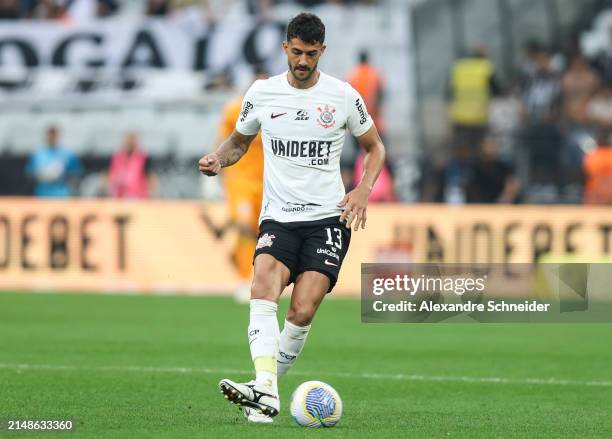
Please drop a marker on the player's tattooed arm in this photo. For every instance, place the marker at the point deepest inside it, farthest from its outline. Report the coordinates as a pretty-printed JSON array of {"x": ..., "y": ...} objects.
[
  {"x": 355, "y": 203},
  {"x": 228, "y": 153},
  {"x": 236, "y": 145}
]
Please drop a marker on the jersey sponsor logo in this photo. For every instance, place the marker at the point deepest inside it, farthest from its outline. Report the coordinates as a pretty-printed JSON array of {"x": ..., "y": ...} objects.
[
  {"x": 326, "y": 116},
  {"x": 299, "y": 207},
  {"x": 363, "y": 117},
  {"x": 274, "y": 116},
  {"x": 315, "y": 150},
  {"x": 330, "y": 263},
  {"x": 302, "y": 115},
  {"x": 326, "y": 252},
  {"x": 245, "y": 110},
  {"x": 265, "y": 240}
]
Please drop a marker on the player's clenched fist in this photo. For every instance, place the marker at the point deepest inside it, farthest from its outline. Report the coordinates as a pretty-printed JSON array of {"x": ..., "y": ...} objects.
[{"x": 210, "y": 164}]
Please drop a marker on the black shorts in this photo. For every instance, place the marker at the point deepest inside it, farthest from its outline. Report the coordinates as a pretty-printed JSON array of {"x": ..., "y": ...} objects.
[{"x": 306, "y": 246}]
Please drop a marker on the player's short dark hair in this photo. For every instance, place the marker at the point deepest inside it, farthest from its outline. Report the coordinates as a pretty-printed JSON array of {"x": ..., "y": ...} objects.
[{"x": 307, "y": 27}]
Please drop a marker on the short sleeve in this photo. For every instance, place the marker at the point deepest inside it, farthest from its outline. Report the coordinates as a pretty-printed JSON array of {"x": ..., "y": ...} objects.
[
  {"x": 359, "y": 120},
  {"x": 248, "y": 123}
]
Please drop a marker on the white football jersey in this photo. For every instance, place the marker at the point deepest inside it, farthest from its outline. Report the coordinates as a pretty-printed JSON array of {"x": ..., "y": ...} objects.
[{"x": 303, "y": 132}]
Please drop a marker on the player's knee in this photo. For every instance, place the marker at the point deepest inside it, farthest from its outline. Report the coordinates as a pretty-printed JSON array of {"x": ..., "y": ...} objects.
[
  {"x": 268, "y": 279},
  {"x": 301, "y": 314},
  {"x": 262, "y": 287},
  {"x": 266, "y": 285}
]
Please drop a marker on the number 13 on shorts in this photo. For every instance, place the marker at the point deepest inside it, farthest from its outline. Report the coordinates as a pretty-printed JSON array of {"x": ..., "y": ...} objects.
[{"x": 334, "y": 237}]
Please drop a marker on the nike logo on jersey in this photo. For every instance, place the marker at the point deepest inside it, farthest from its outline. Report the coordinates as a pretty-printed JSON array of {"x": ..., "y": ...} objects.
[
  {"x": 274, "y": 116},
  {"x": 330, "y": 263}
]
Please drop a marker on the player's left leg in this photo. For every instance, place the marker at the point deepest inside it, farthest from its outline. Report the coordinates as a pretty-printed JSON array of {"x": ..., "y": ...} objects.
[{"x": 308, "y": 293}]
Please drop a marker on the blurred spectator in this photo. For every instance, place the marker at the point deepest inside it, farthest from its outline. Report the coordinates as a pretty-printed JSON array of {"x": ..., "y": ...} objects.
[
  {"x": 598, "y": 172},
  {"x": 532, "y": 51},
  {"x": 310, "y": 3},
  {"x": 51, "y": 10},
  {"x": 54, "y": 167},
  {"x": 85, "y": 10},
  {"x": 106, "y": 8},
  {"x": 541, "y": 142},
  {"x": 490, "y": 179},
  {"x": 578, "y": 84},
  {"x": 599, "y": 109},
  {"x": 367, "y": 81},
  {"x": 603, "y": 61},
  {"x": 445, "y": 182},
  {"x": 542, "y": 91},
  {"x": 214, "y": 10},
  {"x": 67, "y": 10},
  {"x": 9, "y": 10},
  {"x": 159, "y": 7},
  {"x": 472, "y": 83},
  {"x": 129, "y": 174},
  {"x": 220, "y": 80}
]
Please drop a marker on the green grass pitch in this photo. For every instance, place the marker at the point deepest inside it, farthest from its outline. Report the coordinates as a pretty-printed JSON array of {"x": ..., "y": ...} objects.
[{"x": 148, "y": 366}]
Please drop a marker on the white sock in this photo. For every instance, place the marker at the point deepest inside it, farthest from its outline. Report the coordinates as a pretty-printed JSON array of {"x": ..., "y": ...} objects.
[
  {"x": 292, "y": 341},
  {"x": 263, "y": 341}
]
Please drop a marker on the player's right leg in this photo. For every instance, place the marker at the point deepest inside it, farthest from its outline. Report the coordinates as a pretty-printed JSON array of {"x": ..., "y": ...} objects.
[
  {"x": 270, "y": 278},
  {"x": 320, "y": 260}
]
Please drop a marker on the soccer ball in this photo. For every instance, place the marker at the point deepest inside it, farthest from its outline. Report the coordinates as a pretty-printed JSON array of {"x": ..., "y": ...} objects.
[{"x": 316, "y": 404}]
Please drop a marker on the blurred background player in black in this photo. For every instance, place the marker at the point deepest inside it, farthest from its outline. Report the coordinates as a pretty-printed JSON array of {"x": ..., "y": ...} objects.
[{"x": 490, "y": 179}]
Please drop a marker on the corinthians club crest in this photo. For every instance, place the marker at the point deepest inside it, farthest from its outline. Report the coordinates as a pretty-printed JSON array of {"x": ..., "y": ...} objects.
[
  {"x": 326, "y": 116},
  {"x": 265, "y": 240}
]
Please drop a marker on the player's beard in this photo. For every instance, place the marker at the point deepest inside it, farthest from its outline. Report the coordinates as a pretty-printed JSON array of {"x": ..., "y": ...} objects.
[{"x": 308, "y": 76}]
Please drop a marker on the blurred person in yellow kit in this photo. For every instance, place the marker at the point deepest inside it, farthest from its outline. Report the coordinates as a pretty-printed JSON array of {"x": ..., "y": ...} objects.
[
  {"x": 472, "y": 85},
  {"x": 243, "y": 185}
]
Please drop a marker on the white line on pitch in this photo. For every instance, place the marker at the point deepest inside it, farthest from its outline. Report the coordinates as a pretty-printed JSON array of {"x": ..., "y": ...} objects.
[{"x": 373, "y": 376}]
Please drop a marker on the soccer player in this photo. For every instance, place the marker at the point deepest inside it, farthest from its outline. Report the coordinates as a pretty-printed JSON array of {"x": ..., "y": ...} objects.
[
  {"x": 243, "y": 185},
  {"x": 306, "y": 217}
]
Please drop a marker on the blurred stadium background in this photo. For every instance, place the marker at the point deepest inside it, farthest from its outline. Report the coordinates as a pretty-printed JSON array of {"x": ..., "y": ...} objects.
[
  {"x": 503, "y": 104},
  {"x": 496, "y": 115}
]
